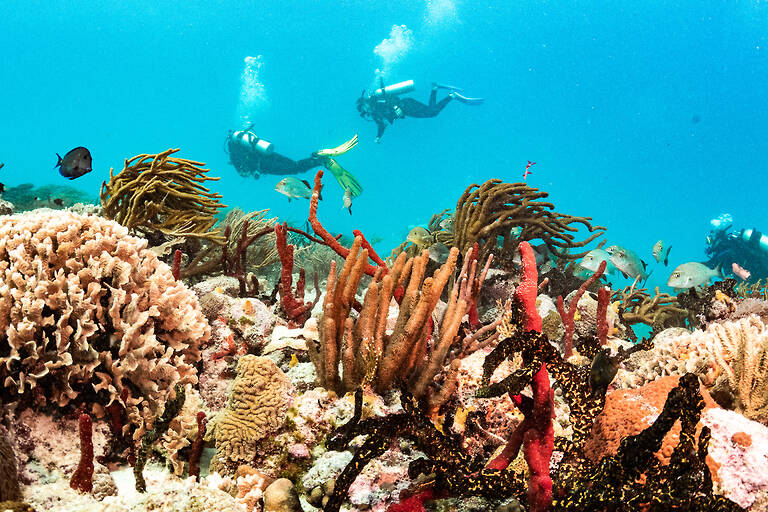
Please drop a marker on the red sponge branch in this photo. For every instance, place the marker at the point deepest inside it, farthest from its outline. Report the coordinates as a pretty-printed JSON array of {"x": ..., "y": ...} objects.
[
  {"x": 535, "y": 434},
  {"x": 603, "y": 298},
  {"x": 196, "y": 450},
  {"x": 329, "y": 239},
  {"x": 295, "y": 309},
  {"x": 82, "y": 478},
  {"x": 567, "y": 316}
]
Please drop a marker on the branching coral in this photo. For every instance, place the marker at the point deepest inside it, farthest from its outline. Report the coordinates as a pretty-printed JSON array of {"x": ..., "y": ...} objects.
[
  {"x": 366, "y": 352},
  {"x": 487, "y": 212},
  {"x": 659, "y": 312},
  {"x": 160, "y": 427},
  {"x": 293, "y": 305},
  {"x": 256, "y": 407},
  {"x": 87, "y": 311},
  {"x": 165, "y": 194}
]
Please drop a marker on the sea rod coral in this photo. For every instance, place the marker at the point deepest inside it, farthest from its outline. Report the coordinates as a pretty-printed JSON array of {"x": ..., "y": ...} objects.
[{"x": 87, "y": 311}]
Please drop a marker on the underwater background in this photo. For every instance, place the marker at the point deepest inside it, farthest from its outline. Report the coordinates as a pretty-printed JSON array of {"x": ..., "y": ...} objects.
[{"x": 649, "y": 117}]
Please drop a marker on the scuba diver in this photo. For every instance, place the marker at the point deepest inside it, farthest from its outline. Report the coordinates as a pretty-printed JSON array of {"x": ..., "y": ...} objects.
[
  {"x": 253, "y": 156},
  {"x": 384, "y": 105},
  {"x": 747, "y": 249}
]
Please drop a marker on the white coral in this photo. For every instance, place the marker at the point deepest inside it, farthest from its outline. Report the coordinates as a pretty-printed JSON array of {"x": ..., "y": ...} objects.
[{"x": 83, "y": 304}]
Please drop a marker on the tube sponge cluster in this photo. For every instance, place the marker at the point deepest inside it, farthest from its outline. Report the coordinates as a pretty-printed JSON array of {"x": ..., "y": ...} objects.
[{"x": 87, "y": 310}]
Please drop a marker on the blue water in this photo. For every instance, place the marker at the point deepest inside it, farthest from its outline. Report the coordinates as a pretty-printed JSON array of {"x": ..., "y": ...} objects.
[{"x": 651, "y": 117}]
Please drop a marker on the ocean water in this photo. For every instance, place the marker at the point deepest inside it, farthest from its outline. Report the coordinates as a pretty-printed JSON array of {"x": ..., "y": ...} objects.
[{"x": 650, "y": 117}]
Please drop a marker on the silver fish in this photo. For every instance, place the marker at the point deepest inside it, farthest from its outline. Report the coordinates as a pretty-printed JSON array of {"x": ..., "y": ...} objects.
[
  {"x": 348, "y": 200},
  {"x": 591, "y": 261},
  {"x": 75, "y": 163},
  {"x": 661, "y": 252},
  {"x": 692, "y": 274},
  {"x": 629, "y": 263},
  {"x": 294, "y": 188}
]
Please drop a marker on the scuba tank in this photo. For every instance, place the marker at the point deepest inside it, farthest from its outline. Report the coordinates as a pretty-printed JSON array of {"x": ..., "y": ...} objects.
[
  {"x": 248, "y": 140},
  {"x": 755, "y": 238},
  {"x": 394, "y": 89}
]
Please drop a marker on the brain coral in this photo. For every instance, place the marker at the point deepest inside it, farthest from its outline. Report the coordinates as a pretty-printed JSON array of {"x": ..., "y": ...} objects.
[
  {"x": 86, "y": 310},
  {"x": 257, "y": 404}
]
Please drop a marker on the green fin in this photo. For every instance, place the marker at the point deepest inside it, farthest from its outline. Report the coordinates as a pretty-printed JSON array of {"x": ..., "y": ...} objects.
[{"x": 345, "y": 178}]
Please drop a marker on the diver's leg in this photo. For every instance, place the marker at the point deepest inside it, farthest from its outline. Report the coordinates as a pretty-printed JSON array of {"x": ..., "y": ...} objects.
[
  {"x": 433, "y": 97},
  {"x": 306, "y": 164},
  {"x": 276, "y": 163},
  {"x": 413, "y": 108}
]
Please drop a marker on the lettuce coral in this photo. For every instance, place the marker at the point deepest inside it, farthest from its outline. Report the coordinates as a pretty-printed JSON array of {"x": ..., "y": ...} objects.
[{"x": 87, "y": 310}]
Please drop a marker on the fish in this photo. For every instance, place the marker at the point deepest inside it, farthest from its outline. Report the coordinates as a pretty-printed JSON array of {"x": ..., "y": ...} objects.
[
  {"x": 602, "y": 371},
  {"x": 541, "y": 253},
  {"x": 447, "y": 224},
  {"x": 692, "y": 274},
  {"x": 613, "y": 249},
  {"x": 2, "y": 188},
  {"x": 348, "y": 200},
  {"x": 75, "y": 163},
  {"x": 420, "y": 237},
  {"x": 661, "y": 252},
  {"x": 439, "y": 252},
  {"x": 294, "y": 188},
  {"x": 58, "y": 202},
  {"x": 591, "y": 261},
  {"x": 740, "y": 271},
  {"x": 629, "y": 263},
  {"x": 582, "y": 273}
]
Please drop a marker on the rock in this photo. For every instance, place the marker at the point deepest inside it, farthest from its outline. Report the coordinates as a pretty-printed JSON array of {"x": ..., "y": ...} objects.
[
  {"x": 280, "y": 496},
  {"x": 499, "y": 285}
]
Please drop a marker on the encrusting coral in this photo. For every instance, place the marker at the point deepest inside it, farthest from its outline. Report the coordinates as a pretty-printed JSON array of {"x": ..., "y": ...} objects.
[
  {"x": 165, "y": 194},
  {"x": 257, "y": 405},
  {"x": 86, "y": 311},
  {"x": 491, "y": 210}
]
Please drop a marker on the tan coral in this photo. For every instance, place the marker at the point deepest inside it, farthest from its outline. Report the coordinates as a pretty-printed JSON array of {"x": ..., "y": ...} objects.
[
  {"x": 182, "y": 429},
  {"x": 82, "y": 303},
  {"x": 257, "y": 404}
]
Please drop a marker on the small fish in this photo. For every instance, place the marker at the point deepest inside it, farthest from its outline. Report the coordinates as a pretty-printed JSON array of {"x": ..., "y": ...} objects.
[
  {"x": 294, "y": 188},
  {"x": 582, "y": 273},
  {"x": 740, "y": 271},
  {"x": 420, "y": 237},
  {"x": 439, "y": 252},
  {"x": 447, "y": 224},
  {"x": 628, "y": 263},
  {"x": 2, "y": 188},
  {"x": 692, "y": 274},
  {"x": 661, "y": 252},
  {"x": 602, "y": 371},
  {"x": 58, "y": 202},
  {"x": 541, "y": 253},
  {"x": 75, "y": 163},
  {"x": 348, "y": 200},
  {"x": 526, "y": 172},
  {"x": 613, "y": 249},
  {"x": 591, "y": 261}
]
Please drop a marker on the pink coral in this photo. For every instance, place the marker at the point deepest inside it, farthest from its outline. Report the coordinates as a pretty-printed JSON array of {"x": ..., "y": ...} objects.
[{"x": 82, "y": 303}]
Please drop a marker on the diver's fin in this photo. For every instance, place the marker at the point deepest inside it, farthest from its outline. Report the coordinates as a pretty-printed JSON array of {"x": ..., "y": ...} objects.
[
  {"x": 344, "y": 177},
  {"x": 59, "y": 162},
  {"x": 338, "y": 150},
  {"x": 307, "y": 184},
  {"x": 438, "y": 85},
  {"x": 466, "y": 100},
  {"x": 350, "y": 210}
]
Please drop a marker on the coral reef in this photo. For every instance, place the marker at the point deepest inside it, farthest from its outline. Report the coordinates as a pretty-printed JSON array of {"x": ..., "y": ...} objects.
[
  {"x": 86, "y": 311},
  {"x": 163, "y": 193},
  {"x": 259, "y": 399},
  {"x": 28, "y": 196},
  {"x": 9, "y": 477}
]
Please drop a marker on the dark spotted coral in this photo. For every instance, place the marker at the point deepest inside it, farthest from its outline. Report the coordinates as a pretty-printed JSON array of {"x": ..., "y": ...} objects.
[
  {"x": 614, "y": 484},
  {"x": 455, "y": 471}
]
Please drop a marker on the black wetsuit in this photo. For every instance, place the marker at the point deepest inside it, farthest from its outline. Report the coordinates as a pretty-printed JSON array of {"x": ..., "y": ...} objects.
[
  {"x": 252, "y": 163},
  {"x": 383, "y": 110},
  {"x": 726, "y": 248}
]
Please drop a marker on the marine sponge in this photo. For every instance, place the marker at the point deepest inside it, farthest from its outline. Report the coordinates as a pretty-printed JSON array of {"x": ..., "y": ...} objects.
[
  {"x": 257, "y": 405},
  {"x": 86, "y": 310},
  {"x": 9, "y": 477}
]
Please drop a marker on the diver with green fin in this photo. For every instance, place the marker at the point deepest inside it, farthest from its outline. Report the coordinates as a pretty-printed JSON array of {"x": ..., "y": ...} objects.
[
  {"x": 253, "y": 156},
  {"x": 384, "y": 105}
]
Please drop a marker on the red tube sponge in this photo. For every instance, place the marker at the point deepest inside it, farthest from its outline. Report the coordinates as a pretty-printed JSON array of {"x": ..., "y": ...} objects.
[{"x": 82, "y": 478}]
